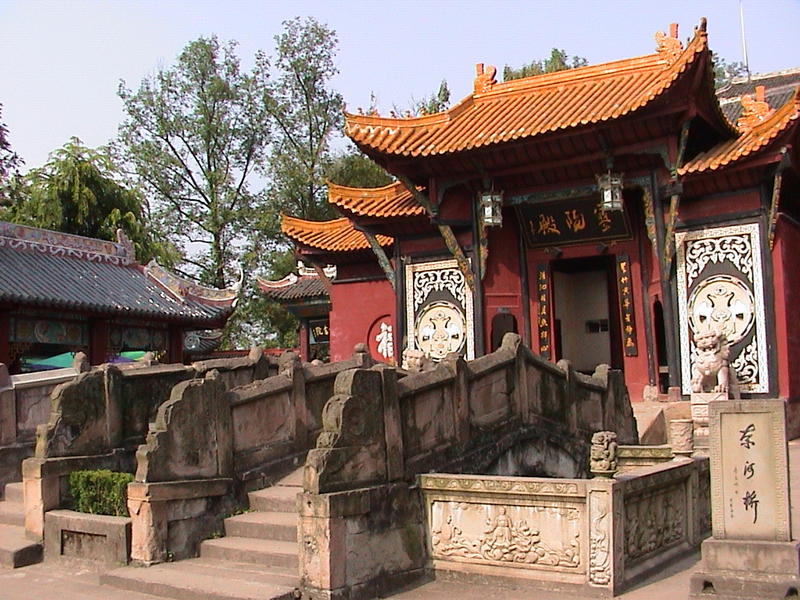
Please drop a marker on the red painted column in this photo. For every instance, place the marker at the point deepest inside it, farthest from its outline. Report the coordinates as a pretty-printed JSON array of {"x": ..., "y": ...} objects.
[{"x": 98, "y": 341}]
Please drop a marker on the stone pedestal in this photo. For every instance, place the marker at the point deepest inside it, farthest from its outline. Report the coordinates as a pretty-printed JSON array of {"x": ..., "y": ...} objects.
[
  {"x": 699, "y": 404},
  {"x": 751, "y": 555},
  {"x": 681, "y": 436}
]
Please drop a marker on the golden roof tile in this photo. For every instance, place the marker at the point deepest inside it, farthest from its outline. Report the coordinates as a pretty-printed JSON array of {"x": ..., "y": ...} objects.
[
  {"x": 338, "y": 235},
  {"x": 750, "y": 141},
  {"x": 523, "y": 108},
  {"x": 393, "y": 200}
]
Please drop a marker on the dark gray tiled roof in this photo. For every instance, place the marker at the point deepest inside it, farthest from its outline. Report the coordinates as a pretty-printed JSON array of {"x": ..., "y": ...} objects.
[
  {"x": 304, "y": 287},
  {"x": 778, "y": 86},
  {"x": 38, "y": 278}
]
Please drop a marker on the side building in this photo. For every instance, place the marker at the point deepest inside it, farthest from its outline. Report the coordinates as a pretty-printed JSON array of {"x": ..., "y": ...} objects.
[{"x": 61, "y": 294}]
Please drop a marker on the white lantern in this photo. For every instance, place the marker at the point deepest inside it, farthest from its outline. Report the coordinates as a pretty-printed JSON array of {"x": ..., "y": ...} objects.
[
  {"x": 610, "y": 186},
  {"x": 492, "y": 208}
]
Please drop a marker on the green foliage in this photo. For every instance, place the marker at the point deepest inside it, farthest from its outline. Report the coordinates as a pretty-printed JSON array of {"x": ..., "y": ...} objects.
[
  {"x": 559, "y": 60},
  {"x": 725, "y": 71},
  {"x": 100, "y": 492},
  {"x": 194, "y": 134},
  {"x": 10, "y": 162},
  {"x": 435, "y": 102},
  {"x": 307, "y": 114},
  {"x": 353, "y": 169},
  {"x": 80, "y": 191}
]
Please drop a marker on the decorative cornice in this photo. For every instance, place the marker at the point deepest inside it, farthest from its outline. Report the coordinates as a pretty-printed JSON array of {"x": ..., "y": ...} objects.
[
  {"x": 184, "y": 289},
  {"x": 56, "y": 243}
]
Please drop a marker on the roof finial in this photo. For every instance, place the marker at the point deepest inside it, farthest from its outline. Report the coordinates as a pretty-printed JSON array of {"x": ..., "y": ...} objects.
[
  {"x": 754, "y": 110},
  {"x": 669, "y": 46},
  {"x": 484, "y": 80}
]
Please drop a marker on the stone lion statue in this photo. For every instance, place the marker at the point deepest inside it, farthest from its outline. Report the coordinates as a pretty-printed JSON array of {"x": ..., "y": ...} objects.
[
  {"x": 710, "y": 371},
  {"x": 603, "y": 453}
]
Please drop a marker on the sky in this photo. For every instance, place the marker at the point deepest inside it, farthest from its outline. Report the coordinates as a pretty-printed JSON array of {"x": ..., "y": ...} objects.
[{"x": 61, "y": 61}]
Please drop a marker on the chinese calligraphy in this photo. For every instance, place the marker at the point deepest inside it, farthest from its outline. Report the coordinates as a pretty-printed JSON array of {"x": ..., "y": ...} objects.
[
  {"x": 575, "y": 220},
  {"x": 750, "y": 500},
  {"x": 385, "y": 341},
  {"x": 543, "y": 314},
  {"x": 746, "y": 441},
  {"x": 603, "y": 220},
  {"x": 547, "y": 224},
  {"x": 626, "y": 306}
]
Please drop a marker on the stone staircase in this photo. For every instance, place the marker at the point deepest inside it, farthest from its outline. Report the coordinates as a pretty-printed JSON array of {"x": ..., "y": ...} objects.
[
  {"x": 16, "y": 550},
  {"x": 257, "y": 558}
]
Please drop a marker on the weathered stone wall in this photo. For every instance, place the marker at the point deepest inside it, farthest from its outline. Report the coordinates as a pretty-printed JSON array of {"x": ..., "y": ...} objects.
[{"x": 379, "y": 430}]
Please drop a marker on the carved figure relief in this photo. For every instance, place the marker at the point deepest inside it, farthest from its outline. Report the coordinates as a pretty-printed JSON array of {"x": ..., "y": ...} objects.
[
  {"x": 600, "y": 543},
  {"x": 441, "y": 329},
  {"x": 439, "y": 310},
  {"x": 724, "y": 304},
  {"x": 720, "y": 288},
  {"x": 655, "y": 521},
  {"x": 522, "y": 535}
]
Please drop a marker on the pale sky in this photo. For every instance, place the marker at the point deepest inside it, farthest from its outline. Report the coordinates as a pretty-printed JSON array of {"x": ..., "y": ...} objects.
[{"x": 61, "y": 61}]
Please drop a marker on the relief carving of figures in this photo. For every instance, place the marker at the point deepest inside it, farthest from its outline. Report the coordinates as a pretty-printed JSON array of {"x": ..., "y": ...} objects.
[
  {"x": 600, "y": 544},
  {"x": 654, "y": 522},
  {"x": 603, "y": 454},
  {"x": 502, "y": 539}
]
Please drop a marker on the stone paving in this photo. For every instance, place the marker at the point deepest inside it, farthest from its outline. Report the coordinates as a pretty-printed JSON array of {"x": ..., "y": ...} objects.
[{"x": 71, "y": 580}]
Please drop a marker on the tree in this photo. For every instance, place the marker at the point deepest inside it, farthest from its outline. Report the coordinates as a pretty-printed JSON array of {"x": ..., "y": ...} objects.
[
  {"x": 307, "y": 114},
  {"x": 725, "y": 71},
  {"x": 353, "y": 169},
  {"x": 10, "y": 162},
  {"x": 559, "y": 60},
  {"x": 435, "y": 102},
  {"x": 80, "y": 191},
  {"x": 194, "y": 135}
]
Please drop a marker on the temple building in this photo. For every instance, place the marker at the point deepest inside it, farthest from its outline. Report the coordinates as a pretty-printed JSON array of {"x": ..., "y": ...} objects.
[
  {"x": 61, "y": 294},
  {"x": 608, "y": 214}
]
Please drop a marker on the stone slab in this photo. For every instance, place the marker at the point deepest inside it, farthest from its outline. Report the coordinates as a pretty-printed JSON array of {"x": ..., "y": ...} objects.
[
  {"x": 16, "y": 550},
  {"x": 752, "y": 556},
  {"x": 101, "y": 538}
]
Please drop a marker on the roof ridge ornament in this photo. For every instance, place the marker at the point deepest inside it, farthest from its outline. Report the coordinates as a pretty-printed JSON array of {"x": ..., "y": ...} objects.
[
  {"x": 668, "y": 45},
  {"x": 484, "y": 78},
  {"x": 754, "y": 110}
]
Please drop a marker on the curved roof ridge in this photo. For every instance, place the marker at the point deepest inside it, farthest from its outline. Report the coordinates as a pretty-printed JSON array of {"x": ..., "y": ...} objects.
[
  {"x": 182, "y": 287},
  {"x": 748, "y": 142},
  {"x": 336, "y": 235},
  {"x": 478, "y": 121},
  {"x": 392, "y": 200}
]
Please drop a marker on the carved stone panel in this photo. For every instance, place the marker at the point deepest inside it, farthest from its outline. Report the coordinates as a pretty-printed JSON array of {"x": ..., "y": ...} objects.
[
  {"x": 654, "y": 521},
  {"x": 720, "y": 288},
  {"x": 439, "y": 310},
  {"x": 600, "y": 538},
  {"x": 542, "y": 535}
]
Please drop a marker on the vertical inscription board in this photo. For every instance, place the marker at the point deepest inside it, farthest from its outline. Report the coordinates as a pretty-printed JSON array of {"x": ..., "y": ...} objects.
[
  {"x": 543, "y": 312},
  {"x": 627, "y": 313},
  {"x": 749, "y": 476}
]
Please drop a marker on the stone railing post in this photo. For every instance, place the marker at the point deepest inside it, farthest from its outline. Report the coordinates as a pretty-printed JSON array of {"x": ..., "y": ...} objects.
[
  {"x": 290, "y": 365},
  {"x": 458, "y": 368},
  {"x": 392, "y": 424},
  {"x": 569, "y": 402},
  {"x": 8, "y": 408}
]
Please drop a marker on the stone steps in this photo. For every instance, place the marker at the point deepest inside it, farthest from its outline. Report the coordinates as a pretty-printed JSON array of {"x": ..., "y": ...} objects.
[
  {"x": 16, "y": 550},
  {"x": 270, "y": 553},
  {"x": 13, "y": 492},
  {"x": 258, "y": 557},
  {"x": 12, "y": 513},
  {"x": 265, "y": 525},
  {"x": 205, "y": 579}
]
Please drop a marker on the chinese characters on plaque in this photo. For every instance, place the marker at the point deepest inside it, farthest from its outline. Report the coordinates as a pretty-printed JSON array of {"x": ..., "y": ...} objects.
[
  {"x": 543, "y": 310},
  {"x": 570, "y": 222},
  {"x": 749, "y": 454},
  {"x": 626, "y": 305}
]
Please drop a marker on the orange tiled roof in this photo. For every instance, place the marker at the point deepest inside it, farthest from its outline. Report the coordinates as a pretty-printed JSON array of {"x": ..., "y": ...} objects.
[
  {"x": 393, "y": 200},
  {"x": 748, "y": 142},
  {"x": 337, "y": 235},
  {"x": 523, "y": 108}
]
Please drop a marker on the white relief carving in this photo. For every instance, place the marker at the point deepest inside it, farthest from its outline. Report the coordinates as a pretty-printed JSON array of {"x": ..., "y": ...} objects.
[
  {"x": 600, "y": 543},
  {"x": 545, "y": 536},
  {"x": 440, "y": 330},
  {"x": 735, "y": 249},
  {"x": 740, "y": 247},
  {"x": 445, "y": 279},
  {"x": 423, "y": 279},
  {"x": 385, "y": 339}
]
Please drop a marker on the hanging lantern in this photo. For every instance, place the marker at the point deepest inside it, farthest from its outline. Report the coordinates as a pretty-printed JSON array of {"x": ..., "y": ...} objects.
[
  {"x": 492, "y": 208},
  {"x": 610, "y": 186}
]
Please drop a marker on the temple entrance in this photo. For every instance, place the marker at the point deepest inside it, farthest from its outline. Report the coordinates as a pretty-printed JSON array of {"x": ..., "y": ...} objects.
[{"x": 586, "y": 330}]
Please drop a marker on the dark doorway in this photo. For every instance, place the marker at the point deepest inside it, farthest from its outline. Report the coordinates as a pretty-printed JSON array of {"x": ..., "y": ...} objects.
[
  {"x": 586, "y": 310},
  {"x": 502, "y": 323}
]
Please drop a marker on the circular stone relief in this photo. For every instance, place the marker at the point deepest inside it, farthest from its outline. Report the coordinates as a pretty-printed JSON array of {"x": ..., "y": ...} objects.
[
  {"x": 723, "y": 303},
  {"x": 441, "y": 329}
]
